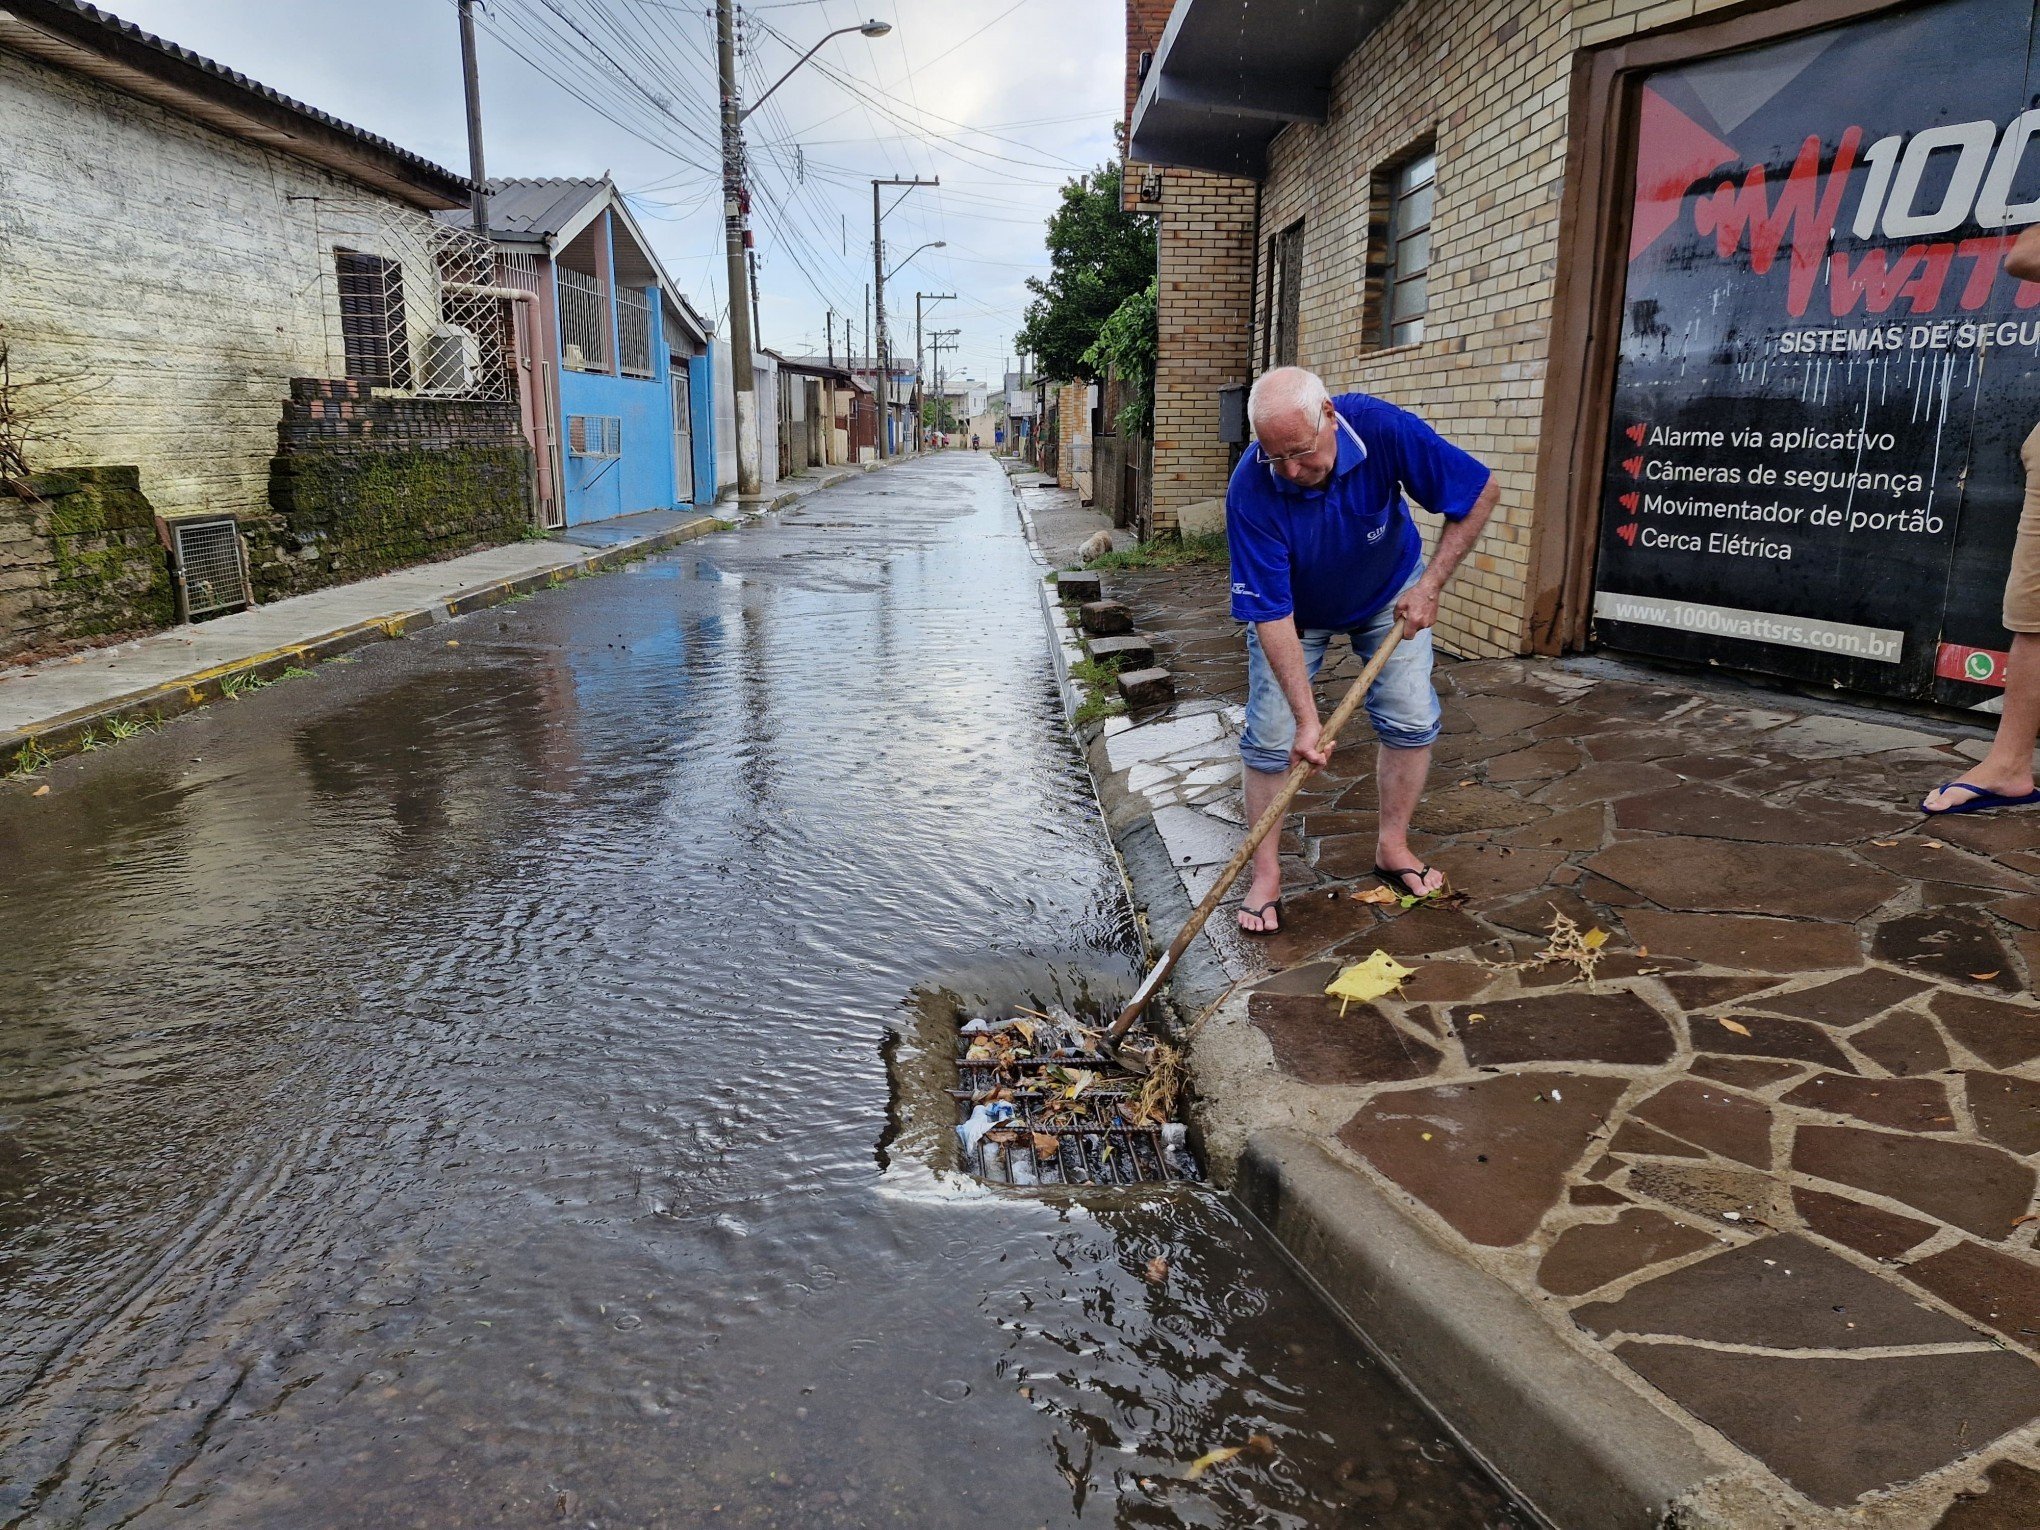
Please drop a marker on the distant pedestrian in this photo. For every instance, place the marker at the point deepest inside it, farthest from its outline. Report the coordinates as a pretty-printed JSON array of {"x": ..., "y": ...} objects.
[
  {"x": 974, "y": 444},
  {"x": 2004, "y": 777},
  {"x": 1322, "y": 543}
]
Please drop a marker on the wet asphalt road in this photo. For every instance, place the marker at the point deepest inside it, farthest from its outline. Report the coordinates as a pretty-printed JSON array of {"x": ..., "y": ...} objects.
[{"x": 448, "y": 1090}]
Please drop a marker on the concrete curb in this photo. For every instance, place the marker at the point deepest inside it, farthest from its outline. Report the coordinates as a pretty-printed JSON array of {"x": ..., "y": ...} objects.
[
  {"x": 62, "y": 734},
  {"x": 1573, "y": 1442}
]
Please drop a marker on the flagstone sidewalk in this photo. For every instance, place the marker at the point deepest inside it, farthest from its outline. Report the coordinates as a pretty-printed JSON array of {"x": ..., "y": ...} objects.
[{"x": 1770, "y": 1175}]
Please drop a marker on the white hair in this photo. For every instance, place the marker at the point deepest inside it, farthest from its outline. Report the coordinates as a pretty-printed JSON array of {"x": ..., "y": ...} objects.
[{"x": 1281, "y": 389}]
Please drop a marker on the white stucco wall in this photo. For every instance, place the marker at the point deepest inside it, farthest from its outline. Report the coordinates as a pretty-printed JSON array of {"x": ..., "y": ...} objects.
[{"x": 166, "y": 271}]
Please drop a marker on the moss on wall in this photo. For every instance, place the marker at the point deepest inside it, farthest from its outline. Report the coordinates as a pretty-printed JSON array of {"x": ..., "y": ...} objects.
[{"x": 80, "y": 559}]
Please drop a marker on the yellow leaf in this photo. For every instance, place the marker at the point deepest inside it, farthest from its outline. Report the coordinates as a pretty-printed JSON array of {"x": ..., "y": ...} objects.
[
  {"x": 453, "y": 642},
  {"x": 1594, "y": 939},
  {"x": 1046, "y": 1145},
  {"x": 1212, "y": 1458},
  {"x": 1375, "y": 894},
  {"x": 1026, "y": 1029},
  {"x": 1733, "y": 1025},
  {"x": 1379, "y": 974},
  {"x": 1475, "y": 1018},
  {"x": 1983, "y": 977},
  {"x": 41, "y": 791}
]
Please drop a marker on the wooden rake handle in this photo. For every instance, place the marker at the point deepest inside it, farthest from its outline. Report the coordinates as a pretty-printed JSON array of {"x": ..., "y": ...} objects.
[{"x": 1291, "y": 785}]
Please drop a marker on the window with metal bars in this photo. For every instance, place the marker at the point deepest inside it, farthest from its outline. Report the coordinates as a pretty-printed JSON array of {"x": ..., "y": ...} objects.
[
  {"x": 372, "y": 327},
  {"x": 594, "y": 435},
  {"x": 1409, "y": 196},
  {"x": 633, "y": 333},
  {"x": 1285, "y": 277},
  {"x": 584, "y": 320}
]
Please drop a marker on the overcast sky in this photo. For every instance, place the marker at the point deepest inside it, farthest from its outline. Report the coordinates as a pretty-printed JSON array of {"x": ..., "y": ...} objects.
[{"x": 1003, "y": 99}]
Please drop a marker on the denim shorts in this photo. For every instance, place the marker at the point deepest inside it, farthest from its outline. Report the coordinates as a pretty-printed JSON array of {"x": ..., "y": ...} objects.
[{"x": 1401, "y": 704}]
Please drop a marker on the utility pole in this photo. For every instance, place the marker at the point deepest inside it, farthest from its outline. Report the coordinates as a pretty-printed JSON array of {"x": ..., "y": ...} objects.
[
  {"x": 736, "y": 238},
  {"x": 471, "y": 80},
  {"x": 830, "y": 320},
  {"x": 878, "y": 277},
  {"x": 919, "y": 373}
]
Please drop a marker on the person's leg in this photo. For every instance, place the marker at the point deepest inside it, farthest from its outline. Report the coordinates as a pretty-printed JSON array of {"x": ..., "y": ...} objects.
[
  {"x": 1403, "y": 706},
  {"x": 2008, "y": 768},
  {"x": 1264, "y": 754}
]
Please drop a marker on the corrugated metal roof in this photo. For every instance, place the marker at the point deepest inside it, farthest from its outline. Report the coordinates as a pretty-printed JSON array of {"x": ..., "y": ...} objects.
[
  {"x": 86, "y": 20},
  {"x": 537, "y": 207}
]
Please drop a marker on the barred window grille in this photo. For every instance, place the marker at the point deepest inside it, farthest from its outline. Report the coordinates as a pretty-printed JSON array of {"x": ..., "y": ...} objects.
[
  {"x": 594, "y": 435},
  {"x": 633, "y": 333},
  {"x": 372, "y": 327},
  {"x": 206, "y": 559},
  {"x": 584, "y": 321}
]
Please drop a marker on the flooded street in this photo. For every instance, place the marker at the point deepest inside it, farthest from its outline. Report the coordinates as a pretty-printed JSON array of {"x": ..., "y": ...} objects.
[{"x": 448, "y": 1090}]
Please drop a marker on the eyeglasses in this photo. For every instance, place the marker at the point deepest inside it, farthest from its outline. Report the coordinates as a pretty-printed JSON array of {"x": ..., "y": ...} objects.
[{"x": 1295, "y": 456}]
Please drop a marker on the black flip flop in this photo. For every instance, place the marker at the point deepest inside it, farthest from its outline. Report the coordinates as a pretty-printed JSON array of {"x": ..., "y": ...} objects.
[
  {"x": 1394, "y": 879},
  {"x": 1272, "y": 906}
]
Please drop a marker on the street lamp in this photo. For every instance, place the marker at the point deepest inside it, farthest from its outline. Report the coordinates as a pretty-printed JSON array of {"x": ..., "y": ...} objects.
[
  {"x": 864, "y": 28},
  {"x": 933, "y": 244},
  {"x": 737, "y": 229}
]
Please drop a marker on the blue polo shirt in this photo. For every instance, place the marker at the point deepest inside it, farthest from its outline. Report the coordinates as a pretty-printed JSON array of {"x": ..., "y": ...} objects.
[{"x": 1335, "y": 555}]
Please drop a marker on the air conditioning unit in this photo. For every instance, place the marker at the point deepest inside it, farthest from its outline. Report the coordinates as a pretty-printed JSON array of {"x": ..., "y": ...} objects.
[{"x": 453, "y": 361}]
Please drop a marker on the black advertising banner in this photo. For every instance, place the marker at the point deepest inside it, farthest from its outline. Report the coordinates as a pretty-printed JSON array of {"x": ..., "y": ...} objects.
[{"x": 1825, "y": 373}]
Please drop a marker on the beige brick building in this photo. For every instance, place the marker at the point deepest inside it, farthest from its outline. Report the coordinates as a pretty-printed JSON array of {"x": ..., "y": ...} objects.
[{"x": 1283, "y": 133}]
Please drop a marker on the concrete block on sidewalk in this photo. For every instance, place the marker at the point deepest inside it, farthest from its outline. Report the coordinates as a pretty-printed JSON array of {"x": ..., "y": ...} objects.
[
  {"x": 1105, "y": 618},
  {"x": 1077, "y": 585},
  {"x": 1147, "y": 687},
  {"x": 1130, "y": 652}
]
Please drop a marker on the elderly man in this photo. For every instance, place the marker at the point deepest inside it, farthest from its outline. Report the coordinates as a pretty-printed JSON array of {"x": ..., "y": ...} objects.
[{"x": 1322, "y": 543}]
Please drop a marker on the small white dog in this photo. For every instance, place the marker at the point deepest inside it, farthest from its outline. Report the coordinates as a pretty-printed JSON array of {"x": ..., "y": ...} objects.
[{"x": 1099, "y": 545}]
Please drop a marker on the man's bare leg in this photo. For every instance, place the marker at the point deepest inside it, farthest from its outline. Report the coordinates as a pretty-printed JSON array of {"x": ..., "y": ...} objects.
[
  {"x": 1265, "y": 885},
  {"x": 1399, "y": 780},
  {"x": 2008, "y": 768}
]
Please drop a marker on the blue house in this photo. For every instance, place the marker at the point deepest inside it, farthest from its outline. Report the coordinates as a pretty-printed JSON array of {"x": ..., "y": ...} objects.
[{"x": 621, "y": 389}]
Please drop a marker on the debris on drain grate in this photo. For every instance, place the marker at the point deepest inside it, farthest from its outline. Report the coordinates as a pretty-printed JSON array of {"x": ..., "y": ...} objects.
[{"x": 1041, "y": 1103}]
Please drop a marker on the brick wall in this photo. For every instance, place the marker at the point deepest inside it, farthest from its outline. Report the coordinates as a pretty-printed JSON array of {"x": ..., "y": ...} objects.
[
  {"x": 362, "y": 484},
  {"x": 1204, "y": 317},
  {"x": 1146, "y": 20},
  {"x": 79, "y": 560}
]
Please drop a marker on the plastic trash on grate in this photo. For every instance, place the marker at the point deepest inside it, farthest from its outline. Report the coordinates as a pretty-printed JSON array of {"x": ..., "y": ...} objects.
[{"x": 1040, "y": 1103}]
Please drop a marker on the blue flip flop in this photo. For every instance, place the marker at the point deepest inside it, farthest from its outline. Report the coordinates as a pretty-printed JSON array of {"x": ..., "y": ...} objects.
[{"x": 1984, "y": 800}]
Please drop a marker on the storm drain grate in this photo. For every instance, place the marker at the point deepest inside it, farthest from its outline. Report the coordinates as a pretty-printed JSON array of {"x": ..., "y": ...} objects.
[
  {"x": 1058, "y": 1114},
  {"x": 207, "y": 562}
]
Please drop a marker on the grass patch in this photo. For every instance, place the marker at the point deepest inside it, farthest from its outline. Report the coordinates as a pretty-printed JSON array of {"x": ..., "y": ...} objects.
[
  {"x": 31, "y": 759},
  {"x": 1097, "y": 707},
  {"x": 295, "y": 673},
  {"x": 119, "y": 729},
  {"x": 1100, "y": 680},
  {"x": 1200, "y": 547}
]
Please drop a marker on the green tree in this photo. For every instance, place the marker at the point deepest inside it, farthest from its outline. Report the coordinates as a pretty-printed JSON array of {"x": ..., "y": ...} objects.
[
  {"x": 1099, "y": 256},
  {"x": 1128, "y": 343}
]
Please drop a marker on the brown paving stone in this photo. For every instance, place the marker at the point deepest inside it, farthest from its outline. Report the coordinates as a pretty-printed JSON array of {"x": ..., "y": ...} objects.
[
  {"x": 2024, "y": 912},
  {"x": 1839, "y": 1428},
  {"x": 1605, "y": 1027},
  {"x": 1977, "y": 1188},
  {"x": 2006, "y": 1108},
  {"x": 1754, "y": 945},
  {"x": 1540, "y": 762},
  {"x": 1743, "y": 1198},
  {"x": 1581, "y": 828},
  {"x": 1419, "y": 931},
  {"x": 1715, "y": 813},
  {"x": 1723, "y": 876},
  {"x": 1588, "y": 1255},
  {"x": 1602, "y": 782},
  {"x": 1614, "y": 965},
  {"x": 1990, "y": 1285},
  {"x": 1919, "y": 860},
  {"x": 1463, "y": 809},
  {"x": 1846, "y": 1001},
  {"x": 1360, "y": 797},
  {"x": 1321, "y": 825},
  {"x": 1445, "y": 982},
  {"x": 1311, "y": 921},
  {"x": 1498, "y": 1150},
  {"x": 1487, "y": 871},
  {"x": 1635, "y": 1137},
  {"x": 1910, "y": 1104},
  {"x": 1780, "y": 1292},
  {"x": 1600, "y": 889},
  {"x": 2002, "y": 1034},
  {"x": 1959, "y": 944},
  {"x": 1733, "y": 1125},
  {"x": 1745, "y": 1072},
  {"x": 1903, "y": 1044},
  {"x": 1866, "y": 1229},
  {"x": 1707, "y": 767},
  {"x": 1646, "y": 744},
  {"x": 1992, "y": 834},
  {"x": 1314, "y": 1043},
  {"x": 1596, "y": 1195},
  {"x": 1936, "y": 894},
  {"x": 1532, "y": 914},
  {"x": 1505, "y": 716},
  {"x": 1311, "y": 978},
  {"x": 2011, "y": 1501},
  {"x": 1768, "y": 1036},
  {"x": 1705, "y": 991}
]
